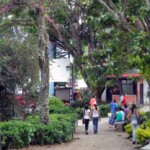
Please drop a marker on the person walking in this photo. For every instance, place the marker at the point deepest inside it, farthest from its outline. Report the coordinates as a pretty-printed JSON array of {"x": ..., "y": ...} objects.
[
  {"x": 95, "y": 117},
  {"x": 86, "y": 116},
  {"x": 133, "y": 114},
  {"x": 113, "y": 108}
]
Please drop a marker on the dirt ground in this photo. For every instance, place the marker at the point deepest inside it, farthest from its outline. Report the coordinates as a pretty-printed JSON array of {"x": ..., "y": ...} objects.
[{"x": 106, "y": 139}]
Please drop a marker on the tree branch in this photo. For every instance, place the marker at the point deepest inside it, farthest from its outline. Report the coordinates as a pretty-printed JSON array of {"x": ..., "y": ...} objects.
[
  {"x": 144, "y": 24},
  {"x": 118, "y": 15},
  {"x": 108, "y": 8},
  {"x": 148, "y": 2},
  {"x": 124, "y": 4}
]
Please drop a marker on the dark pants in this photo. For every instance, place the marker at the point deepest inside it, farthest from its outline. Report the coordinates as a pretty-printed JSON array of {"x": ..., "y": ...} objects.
[
  {"x": 95, "y": 124},
  {"x": 87, "y": 124}
]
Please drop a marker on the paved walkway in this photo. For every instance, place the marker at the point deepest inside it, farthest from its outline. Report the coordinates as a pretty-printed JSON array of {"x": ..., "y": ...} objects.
[{"x": 106, "y": 139}]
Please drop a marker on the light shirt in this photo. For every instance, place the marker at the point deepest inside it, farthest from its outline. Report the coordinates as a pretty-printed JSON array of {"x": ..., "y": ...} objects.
[
  {"x": 123, "y": 115},
  {"x": 95, "y": 113},
  {"x": 86, "y": 114}
]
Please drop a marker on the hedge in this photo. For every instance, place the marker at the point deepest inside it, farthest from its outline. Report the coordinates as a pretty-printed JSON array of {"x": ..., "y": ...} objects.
[{"x": 19, "y": 134}]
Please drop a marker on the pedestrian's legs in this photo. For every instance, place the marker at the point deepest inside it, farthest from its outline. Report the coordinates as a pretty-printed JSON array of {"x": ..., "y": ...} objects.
[
  {"x": 134, "y": 126},
  {"x": 112, "y": 118},
  {"x": 95, "y": 124},
  {"x": 86, "y": 125}
]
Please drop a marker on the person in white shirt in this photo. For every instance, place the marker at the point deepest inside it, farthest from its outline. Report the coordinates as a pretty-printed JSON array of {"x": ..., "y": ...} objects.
[
  {"x": 86, "y": 114},
  {"x": 95, "y": 117}
]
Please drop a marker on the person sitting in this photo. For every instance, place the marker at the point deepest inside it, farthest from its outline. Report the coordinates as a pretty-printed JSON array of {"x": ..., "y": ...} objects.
[
  {"x": 123, "y": 114},
  {"x": 119, "y": 117}
]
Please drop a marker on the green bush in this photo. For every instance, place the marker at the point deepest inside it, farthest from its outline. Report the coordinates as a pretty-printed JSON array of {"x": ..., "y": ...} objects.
[
  {"x": 57, "y": 106},
  {"x": 55, "y": 103},
  {"x": 79, "y": 112},
  {"x": 128, "y": 129},
  {"x": 18, "y": 134},
  {"x": 104, "y": 110},
  {"x": 147, "y": 115},
  {"x": 79, "y": 104},
  {"x": 143, "y": 133}
]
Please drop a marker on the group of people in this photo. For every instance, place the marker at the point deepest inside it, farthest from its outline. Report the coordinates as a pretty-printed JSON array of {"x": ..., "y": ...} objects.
[
  {"x": 118, "y": 113},
  {"x": 124, "y": 114},
  {"x": 93, "y": 114}
]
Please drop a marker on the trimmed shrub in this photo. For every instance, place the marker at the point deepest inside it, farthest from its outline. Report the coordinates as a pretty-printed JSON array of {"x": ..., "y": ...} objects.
[
  {"x": 79, "y": 104},
  {"x": 18, "y": 134},
  {"x": 104, "y": 110},
  {"x": 57, "y": 106},
  {"x": 128, "y": 129},
  {"x": 143, "y": 133}
]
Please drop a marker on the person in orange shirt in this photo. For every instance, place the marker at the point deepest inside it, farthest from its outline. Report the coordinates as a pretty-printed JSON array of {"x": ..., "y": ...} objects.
[{"x": 93, "y": 101}]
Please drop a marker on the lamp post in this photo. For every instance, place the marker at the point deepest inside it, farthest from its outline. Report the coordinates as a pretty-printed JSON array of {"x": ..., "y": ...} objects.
[
  {"x": 71, "y": 79},
  {"x": 148, "y": 95}
]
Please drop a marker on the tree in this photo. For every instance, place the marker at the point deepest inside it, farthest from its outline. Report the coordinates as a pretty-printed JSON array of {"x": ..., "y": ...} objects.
[
  {"x": 108, "y": 39},
  {"x": 39, "y": 20}
]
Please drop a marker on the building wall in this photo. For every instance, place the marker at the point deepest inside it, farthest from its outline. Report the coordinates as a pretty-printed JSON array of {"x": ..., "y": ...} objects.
[
  {"x": 138, "y": 91},
  {"x": 130, "y": 98},
  {"x": 145, "y": 97}
]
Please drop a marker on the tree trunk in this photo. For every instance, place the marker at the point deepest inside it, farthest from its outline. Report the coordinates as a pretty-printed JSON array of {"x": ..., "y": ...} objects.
[{"x": 44, "y": 66}]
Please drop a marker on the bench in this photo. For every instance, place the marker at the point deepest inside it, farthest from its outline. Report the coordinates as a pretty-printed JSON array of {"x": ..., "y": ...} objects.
[{"x": 120, "y": 125}]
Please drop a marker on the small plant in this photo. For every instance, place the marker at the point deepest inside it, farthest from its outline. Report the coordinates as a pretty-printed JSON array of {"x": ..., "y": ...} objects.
[{"x": 128, "y": 129}]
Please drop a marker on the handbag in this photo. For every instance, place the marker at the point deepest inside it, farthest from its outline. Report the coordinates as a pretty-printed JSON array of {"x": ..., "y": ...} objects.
[{"x": 139, "y": 120}]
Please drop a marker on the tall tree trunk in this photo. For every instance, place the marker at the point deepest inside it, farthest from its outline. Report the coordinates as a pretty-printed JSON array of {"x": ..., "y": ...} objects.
[{"x": 44, "y": 66}]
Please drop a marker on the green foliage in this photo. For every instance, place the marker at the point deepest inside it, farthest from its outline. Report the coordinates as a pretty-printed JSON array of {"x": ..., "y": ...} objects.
[
  {"x": 128, "y": 129},
  {"x": 57, "y": 106},
  {"x": 104, "y": 110},
  {"x": 147, "y": 114},
  {"x": 18, "y": 134},
  {"x": 79, "y": 103},
  {"x": 55, "y": 102},
  {"x": 143, "y": 133},
  {"x": 79, "y": 112}
]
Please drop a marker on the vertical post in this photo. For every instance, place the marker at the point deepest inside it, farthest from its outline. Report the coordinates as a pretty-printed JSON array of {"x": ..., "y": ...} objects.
[
  {"x": 136, "y": 93},
  {"x": 72, "y": 81},
  {"x": 148, "y": 95},
  {"x": 0, "y": 139}
]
